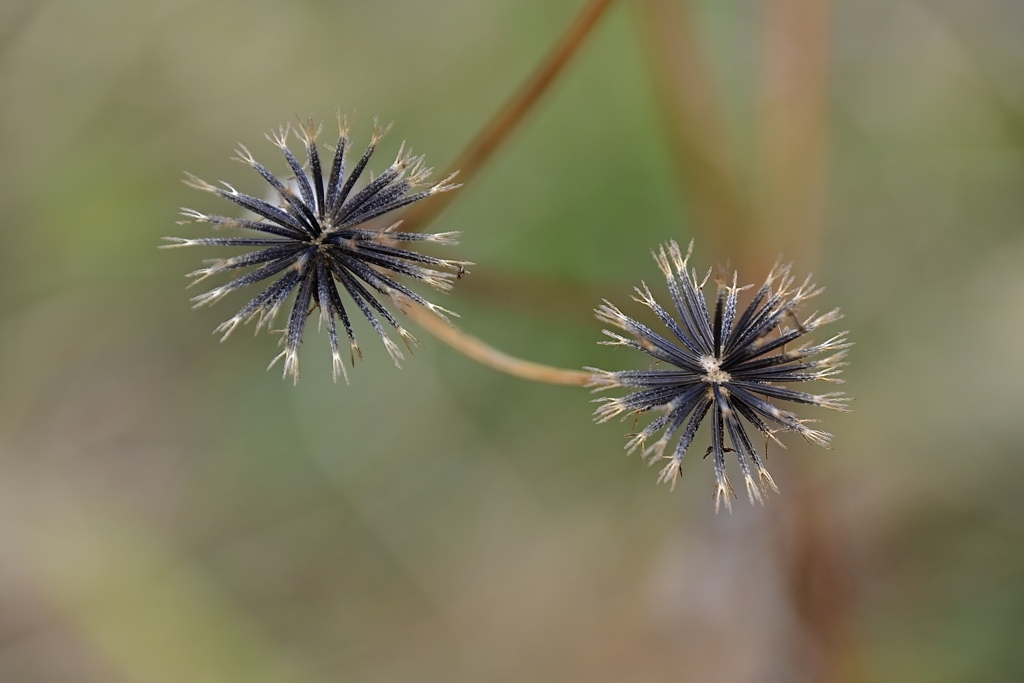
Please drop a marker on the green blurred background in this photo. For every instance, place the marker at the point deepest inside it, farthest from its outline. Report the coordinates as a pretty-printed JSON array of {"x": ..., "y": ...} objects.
[{"x": 169, "y": 512}]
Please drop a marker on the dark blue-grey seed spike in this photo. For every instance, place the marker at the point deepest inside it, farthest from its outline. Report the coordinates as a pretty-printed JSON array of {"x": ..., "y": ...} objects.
[
  {"x": 368, "y": 192},
  {"x": 701, "y": 311},
  {"x": 339, "y": 309},
  {"x": 382, "y": 283},
  {"x": 262, "y": 208},
  {"x": 357, "y": 292},
  {"x": 765, "y": 409},
  {"x": 723, "y": 489},
  {"x": 396, "y": 265},
  {"x": 717, "y": 328},
  {"x": 785, "y": 394},
  {"x": 297, "y": 322},
  {"x": 751, "y": 417},
  {"x": 665, "y": 349},
  {"x": 243, "y": 224},
  {"x": 748, "y": 312},
  {"x": 337, "y": 176},
  {"x": 372, "y": 300},
  {"x": 313, "y": 159},
  {"x": 751, "y": 351},
  {"x": 381, "y": 210},
  {"x": 253, "y": 277},
  {"x": 732, "y": 295},
  {"x": 301, "y": 179},
  {"x": 405, "y": 254},
  {"x": 690, "y": 432},
  {"x": 324, "y": 282},
  {"x": 669, "y": 322},
  {"x": 383, "y": 198},
  {"x": 256, "y": 257},
  {"x": 225, "y": 242},
  {"x": 298, "y": 208},
  {"x": 350, "y": 182},
  {"x": 653, "y": 378},
  {"x": 265, "y": 300},
  {"x": 762, "y": 322},
  {"x": 746, "y": 444},
  {"x": 694, "y": 340}
]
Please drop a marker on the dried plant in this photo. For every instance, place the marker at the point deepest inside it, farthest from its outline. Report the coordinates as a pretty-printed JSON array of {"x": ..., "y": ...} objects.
[
  {"x": 318, "y": 235},
  {"x": 320, "y": 230},
  {"x": 732, "y": 367}
]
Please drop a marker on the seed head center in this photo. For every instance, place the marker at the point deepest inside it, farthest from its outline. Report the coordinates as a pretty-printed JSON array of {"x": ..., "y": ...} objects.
[{"x": 714, "y": 373}]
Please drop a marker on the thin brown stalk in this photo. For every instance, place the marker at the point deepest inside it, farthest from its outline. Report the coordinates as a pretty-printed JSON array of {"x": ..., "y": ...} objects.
[
  {"x": 481, "y": 352},
  {"x": 791, "y": 206},
  {"x": 821, "y": 588},
  {"x": 555, "y": 298},
  {"x": 709, "y": 177},
  {"x": 511, "y": 115},
  {"x": 794, "y": 124}
]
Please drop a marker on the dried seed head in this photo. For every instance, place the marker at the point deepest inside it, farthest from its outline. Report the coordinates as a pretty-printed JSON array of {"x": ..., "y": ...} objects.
[
  {"x": 721, "y": 361},
  {"x": 317, "y": 236}
]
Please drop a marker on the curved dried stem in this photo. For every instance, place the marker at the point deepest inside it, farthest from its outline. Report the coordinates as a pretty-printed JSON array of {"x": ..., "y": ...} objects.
[
  {"x": 501, "y": 126},
  {"x": 481, "y": 352}
]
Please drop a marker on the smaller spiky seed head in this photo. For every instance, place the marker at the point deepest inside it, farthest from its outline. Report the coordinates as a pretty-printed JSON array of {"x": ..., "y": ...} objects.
[{"x": 317, "y": 236}]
